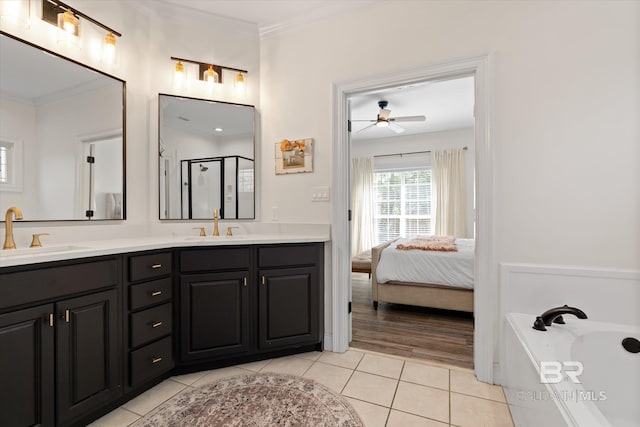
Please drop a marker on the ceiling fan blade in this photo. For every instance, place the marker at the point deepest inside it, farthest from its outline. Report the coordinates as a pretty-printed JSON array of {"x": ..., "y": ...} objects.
[
  {"x": 384, "y": 113},
  {"x": 408, "y": 119},
  {"x": 363, "y": 120},
  {"x": 394, "y": 127},
  {"x": 366, "y": 127}
]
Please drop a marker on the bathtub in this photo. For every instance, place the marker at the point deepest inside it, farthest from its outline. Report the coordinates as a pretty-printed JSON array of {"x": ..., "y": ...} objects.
[{"x": 608, "y": 392}]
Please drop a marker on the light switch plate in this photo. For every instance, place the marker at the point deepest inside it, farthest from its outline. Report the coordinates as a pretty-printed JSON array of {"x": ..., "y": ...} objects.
[{"x": 320, "y": 194}]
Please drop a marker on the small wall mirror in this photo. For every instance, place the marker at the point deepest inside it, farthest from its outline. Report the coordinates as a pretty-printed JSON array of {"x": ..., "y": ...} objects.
[
  {"x": 62, "y": 140},
  {"x": 206, "y": 153}
]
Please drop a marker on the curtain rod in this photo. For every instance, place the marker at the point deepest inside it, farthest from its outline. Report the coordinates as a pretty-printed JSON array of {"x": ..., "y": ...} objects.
[{"x": 412, "y": 152}]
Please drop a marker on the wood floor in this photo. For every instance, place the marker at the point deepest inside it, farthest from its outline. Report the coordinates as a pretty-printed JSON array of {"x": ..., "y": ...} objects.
[{"x": 421, "y": 333}]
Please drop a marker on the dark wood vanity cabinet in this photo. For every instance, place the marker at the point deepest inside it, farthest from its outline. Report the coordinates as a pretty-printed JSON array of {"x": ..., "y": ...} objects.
[
  {"x": 243, "y": 301},
  {"x": 149, "y": 317},
  {"x": 215, "y": 305},
  {"x": 60, "y": 357}
]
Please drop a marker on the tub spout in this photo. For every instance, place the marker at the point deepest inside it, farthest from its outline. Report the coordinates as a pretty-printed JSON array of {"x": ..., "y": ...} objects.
[{"x": 554, "y": 315}]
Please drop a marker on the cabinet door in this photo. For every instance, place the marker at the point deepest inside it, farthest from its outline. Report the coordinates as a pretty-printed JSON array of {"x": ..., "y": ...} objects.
[
  {"x": 214, "y": 315},
  {"x": 26, "y": 367},
  {"x": 88, "y": 362},
  {"x": 288, "y": 303}
]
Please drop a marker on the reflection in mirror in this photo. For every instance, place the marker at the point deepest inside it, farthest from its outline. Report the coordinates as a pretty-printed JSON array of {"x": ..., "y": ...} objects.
[
  {"x": 206, "y": 159},
  {"x": 52, "y": 112}
]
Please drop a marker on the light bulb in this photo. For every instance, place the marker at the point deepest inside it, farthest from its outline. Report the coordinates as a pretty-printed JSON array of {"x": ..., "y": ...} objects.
[
  {"x": 178, "y": 76},
  {"x": 382, "y": 123},
  {"x": 68, "y": 22},
  {"x": 109, "y": 48},
  {"x": 239, "y": 84},
  {"x": 210, "y": 76}
]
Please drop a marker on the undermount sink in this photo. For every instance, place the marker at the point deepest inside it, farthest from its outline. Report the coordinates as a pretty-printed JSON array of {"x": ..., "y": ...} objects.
[
  {"x": 38, "y": 251},
  {"x": 217, "y": 238}
]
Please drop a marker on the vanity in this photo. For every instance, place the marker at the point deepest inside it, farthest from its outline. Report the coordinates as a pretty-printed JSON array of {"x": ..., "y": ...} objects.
[{"x": 85, "y": 329}]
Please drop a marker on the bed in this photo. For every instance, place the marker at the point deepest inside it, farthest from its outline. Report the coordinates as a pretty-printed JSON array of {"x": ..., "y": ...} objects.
[{"x": 445, "y": 281}]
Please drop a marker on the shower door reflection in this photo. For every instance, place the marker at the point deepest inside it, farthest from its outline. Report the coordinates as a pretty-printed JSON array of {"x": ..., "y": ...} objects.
[{"x": 222, "y": 183}]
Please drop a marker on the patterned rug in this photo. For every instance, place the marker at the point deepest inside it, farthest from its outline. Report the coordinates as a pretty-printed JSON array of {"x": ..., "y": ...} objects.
[{"x": 255, "y": 400}]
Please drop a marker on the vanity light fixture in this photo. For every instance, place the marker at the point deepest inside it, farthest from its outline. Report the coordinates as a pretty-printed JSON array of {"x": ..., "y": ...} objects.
[
  {"x": 210, "y": 75},
  {"x": 68, "y": 22},
  {"x": 208, "y": 72},
  {"x": 239, "y": 85},
  {"x": 178, "y": 75},
  {"x": 67, "y": 19}
]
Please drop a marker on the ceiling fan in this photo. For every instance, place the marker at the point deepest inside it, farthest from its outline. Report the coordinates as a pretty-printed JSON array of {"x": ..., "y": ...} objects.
[{"x": 383, "y": 119}]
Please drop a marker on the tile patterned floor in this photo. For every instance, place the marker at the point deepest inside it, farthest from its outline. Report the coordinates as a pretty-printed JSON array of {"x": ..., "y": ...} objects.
[{"x": 385, "y": 390}]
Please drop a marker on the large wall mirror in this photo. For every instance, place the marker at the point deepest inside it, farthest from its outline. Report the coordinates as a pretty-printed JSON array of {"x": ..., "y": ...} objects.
[
  {"x": 62, "y": 136},
  {"x": 206, "y": 159}
]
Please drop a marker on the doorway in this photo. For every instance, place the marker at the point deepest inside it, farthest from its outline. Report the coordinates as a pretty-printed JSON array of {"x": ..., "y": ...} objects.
[
  {"x": 395, "y": 135},
  {"x": 485, "y": 293}
]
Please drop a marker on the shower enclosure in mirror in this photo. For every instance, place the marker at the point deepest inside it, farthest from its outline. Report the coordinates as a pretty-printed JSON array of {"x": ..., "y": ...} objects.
[
  {"x": 206, "y": 159},
  {"x": 62, "y": 140}
]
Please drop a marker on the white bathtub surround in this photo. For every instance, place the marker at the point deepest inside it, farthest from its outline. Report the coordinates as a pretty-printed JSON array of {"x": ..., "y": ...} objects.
[{"x": 608, "y": 389}]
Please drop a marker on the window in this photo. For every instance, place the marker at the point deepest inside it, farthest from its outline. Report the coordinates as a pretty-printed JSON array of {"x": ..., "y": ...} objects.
[
  {"x": 4, "y": 164},
  {"x": 245, "y": 180},
  {"x": 10, "y": 165},
  {"x": 403, "y": 204}
]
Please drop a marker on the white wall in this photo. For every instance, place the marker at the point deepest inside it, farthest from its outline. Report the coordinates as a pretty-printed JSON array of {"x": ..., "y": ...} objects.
[{"x": 564, "y": 113}]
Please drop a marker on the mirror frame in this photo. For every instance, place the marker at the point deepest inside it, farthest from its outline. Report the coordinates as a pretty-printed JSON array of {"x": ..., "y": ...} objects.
[
  {"x": 124, "y": 129},
  {"x": 191, "y": 98}
]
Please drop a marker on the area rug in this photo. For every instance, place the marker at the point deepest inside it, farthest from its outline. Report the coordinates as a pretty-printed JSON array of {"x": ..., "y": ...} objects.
[{"x": 266, "y": 399}]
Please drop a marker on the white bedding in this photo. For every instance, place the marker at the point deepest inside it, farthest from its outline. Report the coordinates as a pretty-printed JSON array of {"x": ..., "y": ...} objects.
[{"x": 453, "y": 269}]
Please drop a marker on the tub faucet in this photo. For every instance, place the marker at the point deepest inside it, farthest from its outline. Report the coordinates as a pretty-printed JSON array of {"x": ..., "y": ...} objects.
[
  {"x": 554, "y": 315},
  {"x": 9, "y": 243}
]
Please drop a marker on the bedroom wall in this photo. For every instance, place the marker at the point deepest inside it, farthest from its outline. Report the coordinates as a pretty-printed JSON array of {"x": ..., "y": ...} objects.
[{"x": 425, "y": 142}]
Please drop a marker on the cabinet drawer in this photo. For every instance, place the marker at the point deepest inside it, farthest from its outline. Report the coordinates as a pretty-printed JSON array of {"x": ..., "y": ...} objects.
[
  {"x": 228, "y": 258},
  {"x": 149, "y": 266},
  {"x": 150, "y": 361},
  {"x": 150, "y": 324},
  {"x": 45, "y": 283},
  {"x": 149, "y": 293},
  {"x": 283, "y": 256}
]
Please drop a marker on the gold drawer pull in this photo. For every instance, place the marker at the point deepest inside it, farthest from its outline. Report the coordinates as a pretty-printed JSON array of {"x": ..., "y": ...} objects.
[
  {"x": 244, "y": 280},
  {"x": 156, "y": 293},
  {"x": 155, "y": 266},
  {"x": 156, "y": 359},
  {"x": 51, "y": 319},
  {"x": 157, "y": 324}
]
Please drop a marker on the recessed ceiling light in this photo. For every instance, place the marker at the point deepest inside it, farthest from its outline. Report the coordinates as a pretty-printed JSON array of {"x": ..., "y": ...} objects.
[{"x": 218, "y": 129}]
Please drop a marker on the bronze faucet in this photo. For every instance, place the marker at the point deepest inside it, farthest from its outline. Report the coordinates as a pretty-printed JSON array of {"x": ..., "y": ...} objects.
[
  {"x": 9, "y": 243},
  {"x": 216, "y": 232}
]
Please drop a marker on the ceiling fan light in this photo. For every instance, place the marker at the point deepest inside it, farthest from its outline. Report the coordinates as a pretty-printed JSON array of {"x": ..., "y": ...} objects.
[{"x": 382, "y": 123}]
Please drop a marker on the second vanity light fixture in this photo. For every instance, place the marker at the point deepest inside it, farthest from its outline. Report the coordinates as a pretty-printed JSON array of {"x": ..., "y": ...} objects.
[
  {"x": 211, "y": 74},
  {"x": 67, "y": 19}
]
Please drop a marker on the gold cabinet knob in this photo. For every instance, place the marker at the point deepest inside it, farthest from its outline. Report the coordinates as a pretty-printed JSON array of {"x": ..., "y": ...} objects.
[{"x": 35, "y": 241}]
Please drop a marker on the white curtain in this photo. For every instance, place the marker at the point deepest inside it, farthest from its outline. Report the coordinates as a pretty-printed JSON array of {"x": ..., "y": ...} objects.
[
  {"x": 362, "y": 228},
  {"x": 450, "y": 193}
]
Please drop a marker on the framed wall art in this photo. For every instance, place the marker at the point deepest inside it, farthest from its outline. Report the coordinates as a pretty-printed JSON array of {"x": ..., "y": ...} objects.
[{"x": 294, "y": 156}]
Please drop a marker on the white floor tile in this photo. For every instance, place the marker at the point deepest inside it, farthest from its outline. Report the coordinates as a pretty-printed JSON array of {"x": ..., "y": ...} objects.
[
  {"x": 423, "y": 401},
  {"x": 331, "y": 376},
  {"x": 431, "y": 376},
  {"x": 371, "y": 388},
  {"x": 348, "y": 359},
  {"x": 402, "y": 419},
  {"x": 380, "y": 365},
  {"x": 116, "y": 418},
  {"x": 154, "y": 397},
  {"x": 370, "y": 414},
  {"x": 288, "y": 365}
]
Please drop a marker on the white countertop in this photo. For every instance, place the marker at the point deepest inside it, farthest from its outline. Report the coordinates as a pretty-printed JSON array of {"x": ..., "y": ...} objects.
[{"x": 108, "y": 247}]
